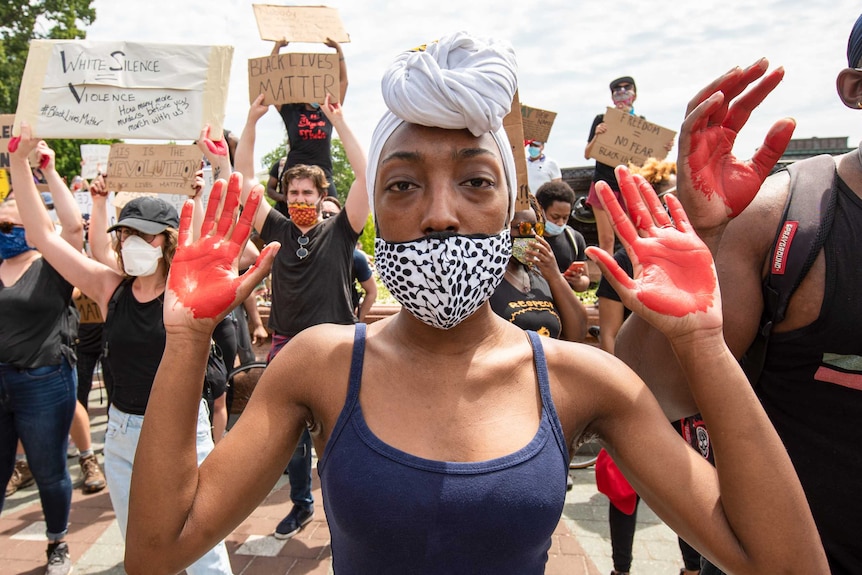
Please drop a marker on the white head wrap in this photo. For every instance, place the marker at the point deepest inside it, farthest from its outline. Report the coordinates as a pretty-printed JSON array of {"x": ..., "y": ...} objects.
[{"x": 455, "y": 83}]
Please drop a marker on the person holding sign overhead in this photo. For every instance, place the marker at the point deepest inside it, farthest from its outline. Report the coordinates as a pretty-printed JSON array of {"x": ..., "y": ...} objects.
[
  {"x": 309, "y": 131},
  {"x": 444, "y": 430}
]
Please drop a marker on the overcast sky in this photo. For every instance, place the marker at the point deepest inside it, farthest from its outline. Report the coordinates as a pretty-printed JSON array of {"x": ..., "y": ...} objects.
[{"x": 568, "y": 51}]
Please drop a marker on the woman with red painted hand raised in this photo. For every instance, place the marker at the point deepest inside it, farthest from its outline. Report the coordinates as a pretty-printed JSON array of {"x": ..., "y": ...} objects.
[
  {"x": 460, "y": 418},
  {"x": 130, "y": 298}
]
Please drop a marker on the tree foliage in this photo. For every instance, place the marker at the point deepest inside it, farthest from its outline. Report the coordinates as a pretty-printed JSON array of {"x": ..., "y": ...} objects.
[{"x": 23, "y": 20}]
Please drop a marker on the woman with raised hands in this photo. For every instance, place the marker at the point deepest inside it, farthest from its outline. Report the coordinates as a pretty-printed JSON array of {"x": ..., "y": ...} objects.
[
  {"x": 461, "y": 419},
  {"x": 130, "y": 297}
]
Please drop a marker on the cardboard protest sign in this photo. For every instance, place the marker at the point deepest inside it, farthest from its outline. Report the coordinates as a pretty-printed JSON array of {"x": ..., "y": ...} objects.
[
  {"x": 87, "y": 89},
  {"x": 299, "y": 23},
  {"x": 94, "y": 159},
  {"x": 6, "y": 122},
  {"x": 88, "y": 309},
  {"x": 515, "y": 131},
  {"x": 294, "y": 77},
  {"x": 120, "y": 199},
  {"x": 163, "y": 169},
  {"x": 630, "y": 140},
  {"x": 537, "y": 123}
]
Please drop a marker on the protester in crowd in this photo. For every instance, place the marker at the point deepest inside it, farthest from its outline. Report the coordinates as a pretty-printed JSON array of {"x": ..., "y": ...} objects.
[
  {"x": 37, "y": 379},
  {"x": 132, "y": 307},
  {"x": 809, "y": 382},
  {"x": 312, "y": 277},
  {"x": 556, "y": 200},
  {"x": 428, "y": 406},
  {"x": 540, "y": 168},
  {"x": 534, "y": 294},
  {"x": 624, "y": 501},
  {"x": 362, "y": 272},
  {"x": 309, "y": 132}
]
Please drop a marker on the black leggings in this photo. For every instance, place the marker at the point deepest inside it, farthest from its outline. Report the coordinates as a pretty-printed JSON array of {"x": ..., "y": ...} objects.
[{"x": 622, "y": 536}]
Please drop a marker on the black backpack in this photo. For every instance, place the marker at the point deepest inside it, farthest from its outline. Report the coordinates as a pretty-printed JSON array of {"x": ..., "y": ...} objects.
[{"x": 807, "y": 219}]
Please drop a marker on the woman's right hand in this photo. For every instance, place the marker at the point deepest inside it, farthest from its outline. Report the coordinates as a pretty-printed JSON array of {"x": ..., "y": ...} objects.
[
  {"x": 99, "y": 189},
  {"x": 203, "y": 285}
]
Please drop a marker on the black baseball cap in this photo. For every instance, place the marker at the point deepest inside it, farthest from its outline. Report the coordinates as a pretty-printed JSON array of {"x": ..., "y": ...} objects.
[
  {"x": 623, "y": 80},
  {"x": 147, "y": 215}
]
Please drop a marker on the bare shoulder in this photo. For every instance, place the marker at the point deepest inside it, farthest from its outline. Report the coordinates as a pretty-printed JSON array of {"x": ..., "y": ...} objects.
[
  {"x": 313, "y": 368},
  {"x": 588, "y": 383}
]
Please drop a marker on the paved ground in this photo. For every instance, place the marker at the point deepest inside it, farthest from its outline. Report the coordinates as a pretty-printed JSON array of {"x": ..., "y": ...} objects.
[{"x": 580, "y": 545}]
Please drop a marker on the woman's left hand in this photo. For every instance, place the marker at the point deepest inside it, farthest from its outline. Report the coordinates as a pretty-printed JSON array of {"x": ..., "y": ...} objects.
[
  {"x": 203, "y": 285},
  {"x": 678, "y": 289}
]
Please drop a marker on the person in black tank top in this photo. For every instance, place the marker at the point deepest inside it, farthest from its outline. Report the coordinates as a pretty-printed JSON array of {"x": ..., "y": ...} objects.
[
  {"x": 447, "y": 392},
  {"x": 145, "y": 241}
]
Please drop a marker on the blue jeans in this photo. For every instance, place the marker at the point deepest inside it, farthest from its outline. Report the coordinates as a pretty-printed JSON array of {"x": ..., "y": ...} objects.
[
  {"x": 299, "y": 466},
  {"x": 121, "y": 442},
  {"x": 37, "y": 406}
]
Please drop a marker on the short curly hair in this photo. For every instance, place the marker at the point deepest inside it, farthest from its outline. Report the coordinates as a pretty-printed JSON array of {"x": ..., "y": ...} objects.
[
  {"x": 555, "y": 191},
  {"x": 300, "y": 171}
]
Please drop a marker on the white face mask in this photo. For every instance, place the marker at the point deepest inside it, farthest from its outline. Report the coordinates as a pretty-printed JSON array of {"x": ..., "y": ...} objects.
[
  {"x": 442, "y": 279},
  {"x": 140, "y": 258}
]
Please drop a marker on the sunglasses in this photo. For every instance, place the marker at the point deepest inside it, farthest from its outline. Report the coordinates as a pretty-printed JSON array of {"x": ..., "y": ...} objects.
[
  {"x": 7, "y": 227},
  {"x": 529, "y": 229},
  {"x": 123, "y": 233},
  {"x": 621, "y": 88}
]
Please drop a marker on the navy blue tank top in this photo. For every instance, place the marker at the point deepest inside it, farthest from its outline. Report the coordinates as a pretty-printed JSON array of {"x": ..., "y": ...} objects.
[{"x": 392, "y": 512}]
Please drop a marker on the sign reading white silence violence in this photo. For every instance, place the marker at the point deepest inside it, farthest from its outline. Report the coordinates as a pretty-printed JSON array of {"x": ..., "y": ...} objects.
[
  {"x": 86, "y": 89},
  {"x": 630, "y": 140},
  {"x": 295, "y": 77}
]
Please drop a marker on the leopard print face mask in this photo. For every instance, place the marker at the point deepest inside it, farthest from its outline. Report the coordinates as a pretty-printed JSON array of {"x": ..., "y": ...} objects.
[{"x": 443, "y": 278}]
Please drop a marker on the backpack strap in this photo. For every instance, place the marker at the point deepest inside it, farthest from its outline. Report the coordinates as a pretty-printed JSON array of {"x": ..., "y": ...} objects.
[
  {"x": 109, "y": 315},
  {"x": 805, "y": 223},
  {"x": 571, "y": 235}
]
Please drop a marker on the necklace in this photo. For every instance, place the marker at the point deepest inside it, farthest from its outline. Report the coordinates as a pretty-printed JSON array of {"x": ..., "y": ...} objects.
[
  {"x": 521, "y": 283},
  {"x": 302, "y": 252}
]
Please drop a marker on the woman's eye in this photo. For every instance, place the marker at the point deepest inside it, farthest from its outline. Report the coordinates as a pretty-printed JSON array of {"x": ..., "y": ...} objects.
[
  {"x": 479, "y": 182},
  {"x": 400, "y": 187}
]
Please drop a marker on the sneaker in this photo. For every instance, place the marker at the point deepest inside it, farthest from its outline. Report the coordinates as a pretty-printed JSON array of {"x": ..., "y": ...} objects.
[
  {"x": 94, "y": 479},
  {"x": 71, "y": 450},
  {"x": 21, "y": 477},
  {"x": 59, "y": 562},
  {"x": 294, "y": 522}
]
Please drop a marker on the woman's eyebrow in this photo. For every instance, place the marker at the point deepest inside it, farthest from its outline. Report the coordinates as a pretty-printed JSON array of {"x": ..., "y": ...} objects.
[
  {"x": 404, "y": 156},
  {"x": 467, "y": 153}
]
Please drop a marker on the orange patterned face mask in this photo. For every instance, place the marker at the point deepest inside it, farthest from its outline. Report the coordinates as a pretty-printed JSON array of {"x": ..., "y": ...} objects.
[{"x": 303, "y": 214}]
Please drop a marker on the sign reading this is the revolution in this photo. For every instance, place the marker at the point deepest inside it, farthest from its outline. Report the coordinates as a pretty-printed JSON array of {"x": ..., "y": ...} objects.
[
  {"x": 299, "y": 23},
  {"x": 86, "y": 89},
  {"x": 630, "y": 140},
  {"x": 537, "y": 123},
  {"x": 163, "y": 169},
  {"x": 294, "y": 77}
]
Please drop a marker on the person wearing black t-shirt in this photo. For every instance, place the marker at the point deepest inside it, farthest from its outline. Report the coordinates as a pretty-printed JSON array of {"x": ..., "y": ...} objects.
[{"x": 309, "y": 131}]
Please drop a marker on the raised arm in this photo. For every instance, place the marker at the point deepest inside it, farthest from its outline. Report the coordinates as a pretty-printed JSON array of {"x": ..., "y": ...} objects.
[
  {"x": 729, "y": 514},
  {"x": 356, "y": 204},
  {"x": 715, "y": 188},
  {"x": 342, "y": 69},
  {"x": 94, "y": 279},
  {"x": 244, "y": 160},
  {"x": 67, "y": 208},
  {"x": 173, "y": 521}
]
